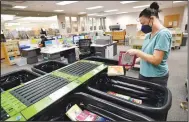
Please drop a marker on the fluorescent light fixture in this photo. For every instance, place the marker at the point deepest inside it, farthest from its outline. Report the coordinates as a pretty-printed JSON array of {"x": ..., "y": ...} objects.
[
  {"x": 111, "y": 10},
  {"x": 125, "y": 2},
  {"x": 58, "y": 10},
  {"x": 100, "y": 15},
  {"x": 7, "y": 17},
  {"x": 11, "y": 24},
  {"x": 178, "y": 1},
  {"x": 24, "y": 22},
  {"x": 122, "y": 13},
  {"x": 82, "y": 12},
  {"x": 20, "y": 7},
  {"x": 95, "y": 7},
  {"x": 66, "y": 2},
  {"x": 92, "y": 14},
  {"x": 141, "y": 6}
]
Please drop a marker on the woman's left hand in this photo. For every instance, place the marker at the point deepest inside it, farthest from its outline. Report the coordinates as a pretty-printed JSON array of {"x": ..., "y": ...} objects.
[{"x": 133, "y": 51}]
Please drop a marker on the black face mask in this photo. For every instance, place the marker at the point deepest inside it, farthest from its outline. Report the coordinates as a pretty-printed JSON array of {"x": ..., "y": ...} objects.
[{"x": 146, "y": 28}]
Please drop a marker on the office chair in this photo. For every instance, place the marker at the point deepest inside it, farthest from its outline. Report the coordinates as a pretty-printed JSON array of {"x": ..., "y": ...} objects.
[{"x": 85, "y": 48}]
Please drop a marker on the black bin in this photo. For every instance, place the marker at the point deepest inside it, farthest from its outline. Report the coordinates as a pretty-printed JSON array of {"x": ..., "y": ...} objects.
[
  {"x": 156, "y": 99},
  {"x": 16, "y": 78},
  {"x": 100, "y": 107},
  {"x": 101, "y": 59},
  {"x": 47, "y": 67}
]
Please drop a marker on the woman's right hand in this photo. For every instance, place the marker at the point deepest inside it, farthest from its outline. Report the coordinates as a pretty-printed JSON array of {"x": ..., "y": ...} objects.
[{"x": 137, "y": 60}]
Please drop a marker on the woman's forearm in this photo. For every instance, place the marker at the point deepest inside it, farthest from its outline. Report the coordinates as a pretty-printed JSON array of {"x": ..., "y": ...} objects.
[{"x": 155, "y": 60}]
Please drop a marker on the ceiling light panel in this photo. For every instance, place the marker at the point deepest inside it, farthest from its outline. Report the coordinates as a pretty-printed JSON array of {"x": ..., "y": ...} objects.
[
  {"x": 20, "y": 7},
  {"x": 178, "y": 1},
  {"x": 82, "y": 13},
  {"x": 111, "y": 10},
  {"x": 92, "y": 14},
  {"x": 95, "y": 7},
  {"x": 122, "y": 13},
  {"x": 58, "y": 10},
  {"x": 7, "y": 17},
  {"x": 126, "y": 2},
  {"x": 141, "y": 6},
  {"x": 66, "y": 2}
]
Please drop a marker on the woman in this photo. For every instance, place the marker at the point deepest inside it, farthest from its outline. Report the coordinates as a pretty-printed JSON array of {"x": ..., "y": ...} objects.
[
  {"x": 43, "y": 39},
  {"x": 156, "y": 47}
]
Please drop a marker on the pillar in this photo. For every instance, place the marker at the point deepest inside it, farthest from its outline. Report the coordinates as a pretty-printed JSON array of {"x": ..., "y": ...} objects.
[{"x": 61, "y": 24}]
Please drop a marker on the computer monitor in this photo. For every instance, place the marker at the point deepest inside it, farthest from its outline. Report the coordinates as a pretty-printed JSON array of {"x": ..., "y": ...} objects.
[
  {"x": 114, "y": 27},
  {"x": 48, "y": 43},
  {"x": 75, "y": 39},
  {"x": 59, "y": 37},
  {"x": 81, "y": 37},
  {"x": 3, "y": 38}
]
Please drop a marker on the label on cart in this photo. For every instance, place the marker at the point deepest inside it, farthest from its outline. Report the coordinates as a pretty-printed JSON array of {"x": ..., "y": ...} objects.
[
  {"x": 59, "y": 93},
  {"x": 95, "y": 71}
]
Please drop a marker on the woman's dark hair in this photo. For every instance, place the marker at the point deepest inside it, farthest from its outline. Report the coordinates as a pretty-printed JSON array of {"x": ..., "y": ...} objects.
[
  {"x": 42, "y": 37},
  {"x": 153, "y": 10}
]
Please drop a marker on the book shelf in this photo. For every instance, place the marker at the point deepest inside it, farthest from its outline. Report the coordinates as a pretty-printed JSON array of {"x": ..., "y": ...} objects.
[
  {"x": 176, "y": 38},
  {"x": 11, "y": 51},
  {"x": 118, "y": 36}
]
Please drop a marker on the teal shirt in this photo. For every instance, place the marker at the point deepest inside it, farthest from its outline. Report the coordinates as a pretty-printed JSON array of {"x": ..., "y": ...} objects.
[{"x": 162, "y": 40}]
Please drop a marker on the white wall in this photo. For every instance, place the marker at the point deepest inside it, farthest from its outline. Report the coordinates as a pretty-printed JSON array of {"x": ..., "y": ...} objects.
[
  {"x": 131, "y": 18},
  {"x": 185, "y": 17}
]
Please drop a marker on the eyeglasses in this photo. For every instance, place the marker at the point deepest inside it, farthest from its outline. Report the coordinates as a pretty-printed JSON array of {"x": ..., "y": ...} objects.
[{"x": 137, "y": 19}]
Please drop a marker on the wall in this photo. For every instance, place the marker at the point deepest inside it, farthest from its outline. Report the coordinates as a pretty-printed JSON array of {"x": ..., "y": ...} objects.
[
  {"x": 131, "y": 18},
  {"x": 185, "y": 17},
  {"x": 2, "y": 26}
]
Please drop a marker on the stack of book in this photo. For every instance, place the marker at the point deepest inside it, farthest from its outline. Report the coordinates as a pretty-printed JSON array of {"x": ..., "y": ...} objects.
[{"x": 76, "y": 114}]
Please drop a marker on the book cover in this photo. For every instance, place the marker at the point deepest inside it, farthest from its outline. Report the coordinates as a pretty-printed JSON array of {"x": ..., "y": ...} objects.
[
  {"x": 73, "y": 112},
  {"x": 126, "y": 60},
  {"x": 91, "y": 117},
  {"x": 82, "y": 116},
  {"x": 125, "y": 97},
  {"x": 101, "y": 119},
  {"x": 115, "y": 70},
  {"x": 86, "y": 116}
]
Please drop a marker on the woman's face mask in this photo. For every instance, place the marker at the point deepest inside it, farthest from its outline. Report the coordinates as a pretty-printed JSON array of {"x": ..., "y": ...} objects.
[{"x": 146, "y": 28}]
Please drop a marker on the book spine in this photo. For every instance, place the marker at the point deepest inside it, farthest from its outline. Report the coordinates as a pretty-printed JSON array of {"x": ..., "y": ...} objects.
[{"x": 126, "y": 97}]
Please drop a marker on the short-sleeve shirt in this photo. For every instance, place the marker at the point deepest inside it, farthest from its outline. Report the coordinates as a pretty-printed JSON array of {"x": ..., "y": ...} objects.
[{"x": 162, "y": 40}]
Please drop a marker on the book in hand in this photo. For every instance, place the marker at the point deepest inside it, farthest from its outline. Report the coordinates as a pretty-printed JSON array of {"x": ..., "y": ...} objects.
[
  {"x": 86, "y": 116},
  {"x": 73, "y": 112},
  {"x": 126, "y": 59},
  {"x": 115, "y": 70}
]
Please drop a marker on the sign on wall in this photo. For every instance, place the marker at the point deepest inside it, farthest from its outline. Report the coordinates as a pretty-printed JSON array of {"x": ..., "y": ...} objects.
[{"x": 63, "y": 25}]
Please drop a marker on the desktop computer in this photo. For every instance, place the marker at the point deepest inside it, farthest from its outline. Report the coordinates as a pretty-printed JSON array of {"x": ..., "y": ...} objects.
[
  {"x": 81, "y": 37},
  {"x": 48, "y": 43},
  {"x": 59, "y": 37},
  {"x": 75, "y": 39}
]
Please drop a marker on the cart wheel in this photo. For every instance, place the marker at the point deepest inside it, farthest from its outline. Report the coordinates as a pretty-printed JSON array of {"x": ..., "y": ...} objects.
[
  {"x": 173, "y": 48},
  {"x": 179, "y": 47}
]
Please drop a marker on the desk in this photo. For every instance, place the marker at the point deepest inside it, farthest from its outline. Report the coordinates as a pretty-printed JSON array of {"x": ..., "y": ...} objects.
[
  {"x": 56, "y": 52},
  {"x": 105, "y": 50},
  {"x": 31, "y": 54}
]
